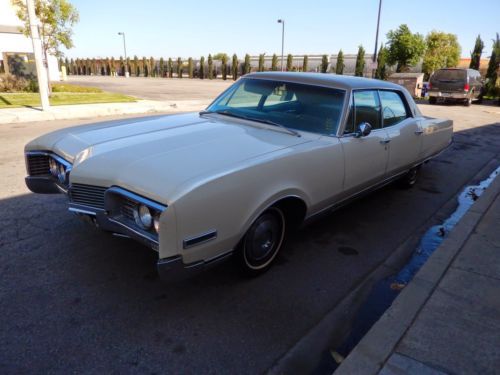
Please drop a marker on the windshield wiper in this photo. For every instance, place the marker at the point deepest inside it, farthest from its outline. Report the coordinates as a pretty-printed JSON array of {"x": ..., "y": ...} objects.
[{"x": 264, "y": 121}]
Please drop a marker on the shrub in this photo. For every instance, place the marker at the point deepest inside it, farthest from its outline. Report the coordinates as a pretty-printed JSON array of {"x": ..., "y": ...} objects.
[
  {"x": 274, "y": 63},
  {"x": 246, "y": 65},
  {"x": 12, "y": 83},
  {"x": 179, "y": 68},
  {"x": 339, "y": 67}
]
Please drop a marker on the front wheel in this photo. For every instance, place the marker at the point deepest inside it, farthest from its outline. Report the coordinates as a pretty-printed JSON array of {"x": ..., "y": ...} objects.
[
  {"x": 432, "y": 100},
  {"x": 262, "y": 242}
]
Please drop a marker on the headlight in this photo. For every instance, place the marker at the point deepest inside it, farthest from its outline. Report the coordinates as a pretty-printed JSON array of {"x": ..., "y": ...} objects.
[
  {"x": 61, "y": 175},
  {"x": 143, "y": 217},
  {"x": 156, "y": 223}
]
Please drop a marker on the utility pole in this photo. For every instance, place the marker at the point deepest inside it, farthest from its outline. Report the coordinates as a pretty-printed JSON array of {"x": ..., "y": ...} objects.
[
  {"x": 41, "y": 72},
  {"x": 282, "y": 21},
  {"x": 122, "y": 33}
]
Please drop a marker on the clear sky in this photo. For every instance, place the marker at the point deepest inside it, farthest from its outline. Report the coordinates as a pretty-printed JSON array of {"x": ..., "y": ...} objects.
[{"x": 199, "y": 27}]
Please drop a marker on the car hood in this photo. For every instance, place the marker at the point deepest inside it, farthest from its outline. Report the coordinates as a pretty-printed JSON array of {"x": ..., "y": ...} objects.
[{"x": 158, "y": 156}]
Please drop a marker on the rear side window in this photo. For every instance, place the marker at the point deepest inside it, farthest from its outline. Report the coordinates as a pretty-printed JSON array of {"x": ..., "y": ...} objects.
[
  {"x": 367, "y": 108},
  {"x": 393, "y": 108}
]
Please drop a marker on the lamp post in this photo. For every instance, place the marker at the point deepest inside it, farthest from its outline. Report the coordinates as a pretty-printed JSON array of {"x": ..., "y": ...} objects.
[
  {"x": 282, "y": 21},
  {"x": 125, "y": 52},
  {"x": 376, "y": 34}
]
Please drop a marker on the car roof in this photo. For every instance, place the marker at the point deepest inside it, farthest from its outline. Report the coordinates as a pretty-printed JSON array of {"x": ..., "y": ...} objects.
[{"x": 326, "y": 79}]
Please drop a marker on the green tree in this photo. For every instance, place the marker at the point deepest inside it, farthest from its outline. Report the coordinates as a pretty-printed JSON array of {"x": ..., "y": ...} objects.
[
  {"x": 179, "y": 67},
  {"x": 261, "y": 63},
  {"x": 405, "y": 48},
  {"x": 339, "y": 66},
  {"x": 162, "y": 67},
  {"x": 475, "y": 55},
  {"x": 152, "y": 67},
  {"x": 56, "y": 19},
  {"x": 224, "y": 66},
  {"x": 145, "y": 68},
  {"x": 210, "y": 67},
  {"x": 220, "y": 56},
  {"x": 324, "y": 64},
  {"x": 381, "y": 71},
  {"x": 289, "y": 62},
  {"x": 442, "y": 51},
  {"x": 170, "y": 67},
  {"x": 360, "y": 62},
  {"x": 246, "y": 64},
  {"x": 122, "y": 66},
  {"x": 190, "y": 67},
  {"x": 72, "y": 66},
  {"x": 201, "y": 72},
  {"x": 305, "y": 63},
  {"x": 234, "y": 67},
  {"x": 493, "y": 65},
  {"x": 137, "y": 69},
  {"x": 274, "y": 63}
]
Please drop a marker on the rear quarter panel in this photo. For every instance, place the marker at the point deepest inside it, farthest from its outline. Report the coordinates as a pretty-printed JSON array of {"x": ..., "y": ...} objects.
[{"x": 437, "y": 135}]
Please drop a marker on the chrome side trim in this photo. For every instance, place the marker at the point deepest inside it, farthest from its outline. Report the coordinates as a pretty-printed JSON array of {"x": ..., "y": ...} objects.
[
  {"x": 136, "y": 197},
  {"x": 199, "y": 239}
]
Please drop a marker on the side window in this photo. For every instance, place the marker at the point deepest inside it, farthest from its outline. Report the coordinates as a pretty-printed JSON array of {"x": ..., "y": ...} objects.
[
  {"x": 393, "y": 108},
  {"x": 367, "y": 108}
]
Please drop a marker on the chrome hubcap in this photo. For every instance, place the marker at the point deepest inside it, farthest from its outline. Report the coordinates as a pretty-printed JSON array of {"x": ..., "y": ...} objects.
[{"x": 263, "y": 239}]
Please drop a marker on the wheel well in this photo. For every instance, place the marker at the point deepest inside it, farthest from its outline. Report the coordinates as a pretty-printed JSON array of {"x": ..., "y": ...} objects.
[{"x": 294, "y": 210}]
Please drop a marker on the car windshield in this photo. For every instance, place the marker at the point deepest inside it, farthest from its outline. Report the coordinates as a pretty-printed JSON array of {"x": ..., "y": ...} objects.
[
  {"x": 449, "y": 75},
  {"x": 291, "y": 105}
]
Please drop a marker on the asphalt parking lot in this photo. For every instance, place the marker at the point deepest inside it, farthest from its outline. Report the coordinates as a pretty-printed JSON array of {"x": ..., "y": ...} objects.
[{"x": 74, "y": 299}]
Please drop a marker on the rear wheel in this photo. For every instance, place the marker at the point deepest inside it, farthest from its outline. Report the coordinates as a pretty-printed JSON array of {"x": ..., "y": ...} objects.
[
  {"x": 468, "y": 101},
  {"x": 409, "y": 179},
  {"x": 262, "y": 242},
  {"x": 432, "y": 100}
]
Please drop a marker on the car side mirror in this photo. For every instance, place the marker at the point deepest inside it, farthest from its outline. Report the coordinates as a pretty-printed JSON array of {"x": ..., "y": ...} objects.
[{"x": 363, "y": 130}]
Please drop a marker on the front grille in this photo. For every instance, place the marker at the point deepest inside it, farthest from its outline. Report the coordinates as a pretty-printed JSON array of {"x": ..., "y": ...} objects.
[
  {"x": 88, "y": 195},
  {"x": 127, "y": 208},
  {"x": 38, "y": 165}
]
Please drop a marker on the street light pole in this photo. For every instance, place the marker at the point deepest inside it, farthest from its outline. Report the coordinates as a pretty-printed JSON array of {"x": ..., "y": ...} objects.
[
  {"x": 41, "y": 72},
  {"x": 376, "y": 35},
  {"x": 125, "y": 53},
  {"x": 282, "y": 21}
]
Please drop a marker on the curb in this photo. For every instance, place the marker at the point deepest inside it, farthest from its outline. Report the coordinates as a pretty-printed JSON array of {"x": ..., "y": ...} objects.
[
  {"x": 83, "y": 111},
  {"x": 369, "y": 356}
]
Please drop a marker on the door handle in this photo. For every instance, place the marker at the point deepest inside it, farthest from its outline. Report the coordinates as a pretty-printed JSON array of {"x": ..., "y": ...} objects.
[
  {"x": 385, "y": 141},
  {"x": 419, "y": 131}
]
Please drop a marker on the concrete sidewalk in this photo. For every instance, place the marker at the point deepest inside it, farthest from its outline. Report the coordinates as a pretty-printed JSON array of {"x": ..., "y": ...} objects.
[
  {"x": 82, "y": 111},
  {"x": 447, "y": 320}
]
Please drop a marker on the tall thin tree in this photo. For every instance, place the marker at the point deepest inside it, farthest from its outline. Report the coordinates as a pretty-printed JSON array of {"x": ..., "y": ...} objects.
[
  {"x": 305, "y": 64},
  {"x": 475, "y": 55}
]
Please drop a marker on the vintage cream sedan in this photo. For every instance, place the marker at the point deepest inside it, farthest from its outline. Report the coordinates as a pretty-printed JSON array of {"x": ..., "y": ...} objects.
[{"x": 271, "y": 152}]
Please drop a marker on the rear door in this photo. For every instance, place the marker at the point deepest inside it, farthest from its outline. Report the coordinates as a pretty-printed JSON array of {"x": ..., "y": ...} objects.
[
  {"x": 404, "y": 131},
  {"x": 365, "y": 157}
]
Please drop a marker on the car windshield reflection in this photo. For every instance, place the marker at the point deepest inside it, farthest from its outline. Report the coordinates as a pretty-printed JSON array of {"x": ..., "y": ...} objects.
[{"x": 291, "y": 105}]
